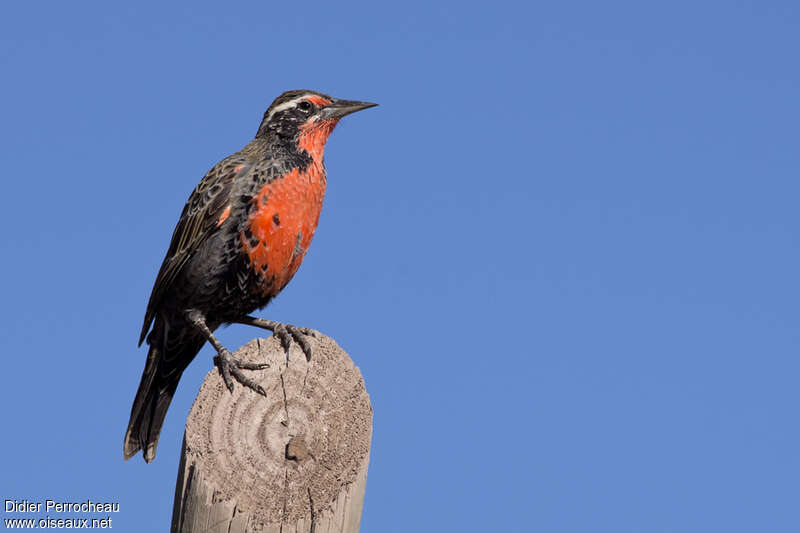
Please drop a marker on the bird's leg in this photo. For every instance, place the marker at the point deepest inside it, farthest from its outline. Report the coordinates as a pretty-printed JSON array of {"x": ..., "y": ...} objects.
[
  {"x": 227, "y": 363},
  {"x": 284, "y": 332}
]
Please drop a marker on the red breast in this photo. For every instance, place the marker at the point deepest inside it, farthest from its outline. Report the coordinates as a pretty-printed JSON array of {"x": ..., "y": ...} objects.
[{"x": 287, "y": 212}]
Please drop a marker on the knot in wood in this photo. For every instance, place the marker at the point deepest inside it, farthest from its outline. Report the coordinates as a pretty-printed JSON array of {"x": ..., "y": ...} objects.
[{"x": 296, "y": 449}]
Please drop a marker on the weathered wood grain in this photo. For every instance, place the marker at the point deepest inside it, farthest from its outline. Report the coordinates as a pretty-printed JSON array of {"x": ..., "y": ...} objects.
[{"x": 295, "y": 461}]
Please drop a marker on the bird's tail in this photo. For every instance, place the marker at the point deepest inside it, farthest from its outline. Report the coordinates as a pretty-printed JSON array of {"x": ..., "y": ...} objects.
[{"x": 165, "y": 364}]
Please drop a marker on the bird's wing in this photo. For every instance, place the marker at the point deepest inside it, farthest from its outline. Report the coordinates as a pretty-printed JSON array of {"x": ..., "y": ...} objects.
[{"x": 203, "y": 213}]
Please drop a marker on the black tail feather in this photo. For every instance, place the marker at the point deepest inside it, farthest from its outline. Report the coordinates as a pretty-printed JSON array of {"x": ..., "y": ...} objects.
[{"x": 165, "y": 364}]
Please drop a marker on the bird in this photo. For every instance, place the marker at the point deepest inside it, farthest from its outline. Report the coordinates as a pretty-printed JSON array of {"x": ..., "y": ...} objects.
[{"x": 240, "y": 239}]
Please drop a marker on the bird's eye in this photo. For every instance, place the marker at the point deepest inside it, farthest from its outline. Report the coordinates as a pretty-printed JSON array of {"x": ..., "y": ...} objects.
[{"x": 304, "y": 106}]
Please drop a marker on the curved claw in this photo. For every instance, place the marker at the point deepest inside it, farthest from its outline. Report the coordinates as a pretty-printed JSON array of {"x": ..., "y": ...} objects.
[
  {"x": 224, "y": 369},
  {"x": 230, "y": 367},
  {"x": 282, "y": 332},
  {"x": 251, "y": 366},
  {"x": 285, "y": 333},
  {"x": 299, "y": 336}
]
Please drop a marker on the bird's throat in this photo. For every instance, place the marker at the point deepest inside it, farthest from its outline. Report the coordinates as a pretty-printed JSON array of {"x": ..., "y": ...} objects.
[{"x": 313, "y": 136}]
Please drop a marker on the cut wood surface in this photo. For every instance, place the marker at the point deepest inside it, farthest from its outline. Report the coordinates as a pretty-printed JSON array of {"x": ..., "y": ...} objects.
[{"x": 293, "y": 461}]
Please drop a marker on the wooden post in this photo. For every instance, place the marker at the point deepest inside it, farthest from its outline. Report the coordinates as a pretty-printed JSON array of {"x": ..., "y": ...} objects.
[{"x": 295, "y": 461}]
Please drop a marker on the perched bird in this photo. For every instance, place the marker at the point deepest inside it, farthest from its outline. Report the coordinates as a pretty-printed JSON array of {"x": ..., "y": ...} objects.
[{"x": 240, "y": 238}]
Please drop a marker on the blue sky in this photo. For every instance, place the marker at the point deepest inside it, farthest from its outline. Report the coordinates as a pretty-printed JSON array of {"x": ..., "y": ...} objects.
[{"x": 563, "y": 250}]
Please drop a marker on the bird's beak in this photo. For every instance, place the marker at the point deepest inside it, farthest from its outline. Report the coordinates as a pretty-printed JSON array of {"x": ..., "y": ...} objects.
[{"x": 340, "y": 108}]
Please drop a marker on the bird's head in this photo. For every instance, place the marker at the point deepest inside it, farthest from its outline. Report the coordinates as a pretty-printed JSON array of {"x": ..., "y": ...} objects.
[{"x": 307, "y": 118}]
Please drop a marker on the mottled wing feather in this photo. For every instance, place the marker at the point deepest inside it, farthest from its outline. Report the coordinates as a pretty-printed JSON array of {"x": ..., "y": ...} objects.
[{"x": 198, "y": 220}]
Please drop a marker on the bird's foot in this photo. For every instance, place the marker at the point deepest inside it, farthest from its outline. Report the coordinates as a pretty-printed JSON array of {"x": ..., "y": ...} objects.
[
  {"x": 285, "y": 333},
  {"x": 231, "y": 368}
]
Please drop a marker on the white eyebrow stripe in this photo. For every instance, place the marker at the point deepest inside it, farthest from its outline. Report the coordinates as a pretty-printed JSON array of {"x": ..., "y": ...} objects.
[{"x": 286, "y": 105}]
